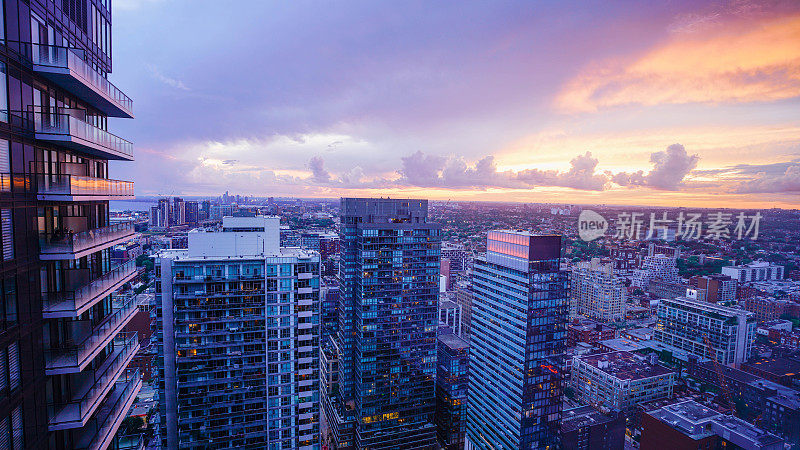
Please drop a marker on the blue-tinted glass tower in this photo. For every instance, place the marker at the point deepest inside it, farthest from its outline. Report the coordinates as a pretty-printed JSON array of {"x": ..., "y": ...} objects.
[
  {"x": 452, "y": 381},
  {"x": 386, "y": 341},
  {"x": 519, "y": 315}
]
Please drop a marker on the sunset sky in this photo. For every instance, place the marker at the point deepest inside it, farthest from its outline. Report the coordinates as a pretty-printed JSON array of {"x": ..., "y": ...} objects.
[{"x": 679, "y": 103}]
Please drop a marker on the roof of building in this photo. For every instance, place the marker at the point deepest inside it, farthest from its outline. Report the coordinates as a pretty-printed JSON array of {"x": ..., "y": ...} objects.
[
  {"x": 453, "y": 341},
  {"x": 582, "y": 416},
  {"x": 625, "y": 365},
  {"x": 743, "y": 433},
  {"x": 782, "y": 367},
  {"x": 688, "y": 417},
  {"x": 621, "y": 344}
]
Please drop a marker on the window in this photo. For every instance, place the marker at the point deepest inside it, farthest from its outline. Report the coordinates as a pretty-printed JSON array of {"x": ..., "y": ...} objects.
[
  {"x": 5, "y": 166},
  {"x": 3, "y": 92},
  {"x": 7, "y": 228},
  {"x": 13, "y": 365},
  {"x": 76, "y": 11},
  {"x": 16, "y": 428}
]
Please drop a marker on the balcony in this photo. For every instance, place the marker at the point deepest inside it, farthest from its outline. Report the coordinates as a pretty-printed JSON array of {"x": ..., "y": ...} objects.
[
  {"x": 85, "y": 341},
  {"x": 99, "y": 432},
  {"x": 71, "y": 131},
  {"x": 72, "y": 188},
  {"x": 73, "y": 245},
  {"x": 92, "y": 386},
  {"x": 72, "y": 302},
  {"x": 67, "y": 67}
]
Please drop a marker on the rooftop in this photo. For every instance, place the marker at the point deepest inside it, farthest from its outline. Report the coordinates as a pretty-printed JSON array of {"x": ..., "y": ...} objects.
[
  {"x": 782, "y": 367},
  {"x": 582, "y": 416},
  {"x": 452, "y": 341},
  {"x": 625, "y": 365}
]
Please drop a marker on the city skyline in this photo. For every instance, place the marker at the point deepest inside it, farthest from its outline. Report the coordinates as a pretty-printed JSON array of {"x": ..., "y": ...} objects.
[{"x": 480, "y": 103}]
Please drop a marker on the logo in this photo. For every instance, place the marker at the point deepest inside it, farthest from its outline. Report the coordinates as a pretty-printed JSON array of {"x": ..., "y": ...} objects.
[{"x": 591, "y": 225}]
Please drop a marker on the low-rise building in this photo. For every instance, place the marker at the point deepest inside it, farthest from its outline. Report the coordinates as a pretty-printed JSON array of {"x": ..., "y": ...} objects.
[
  {"x": 755, "y": 271},
  {"x": 586, "y": 428},
  {"x": 620, "y": 380},
  {"x": 588, "y": 331},
  {"x": 689, "y": 425},
  {"x": 705, "y": 329}
]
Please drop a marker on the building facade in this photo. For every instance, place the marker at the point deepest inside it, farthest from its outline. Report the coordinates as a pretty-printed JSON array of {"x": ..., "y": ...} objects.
[
  {"x": 64, "y": 378},
  {"x": 596, "y": 291},
  {"x": 755, "y": 271},
  {"x": 238, "y": 338},
  {"x": 452, "y": 381},
  {"x": 707, "y": 330},
  {"x": 388, "y": 314},
  {"x": 518, "y": 331},
  {"x": 620, "y": 380}
]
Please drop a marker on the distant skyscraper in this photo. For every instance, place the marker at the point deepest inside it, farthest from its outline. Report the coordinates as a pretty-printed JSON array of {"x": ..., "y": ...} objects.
[
  {"x": 178, "y": 211},
  {"x": 192, "y": 213},
  {"x": 165, "y": 213},
  {"x": 386, "y": 342},
  {"x": 518, "y": 331},
  {"x": 238, "y": 340}
]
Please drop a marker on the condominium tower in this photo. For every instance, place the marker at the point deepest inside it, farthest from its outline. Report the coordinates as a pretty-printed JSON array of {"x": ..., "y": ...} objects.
[
  {"x": 519, "y": 315},
  {"x": 385, "y": 347},
  {"x": 596, "y": 291},
  {"x": 238, "y": 337},
  {"x": 63, "y": 357}
]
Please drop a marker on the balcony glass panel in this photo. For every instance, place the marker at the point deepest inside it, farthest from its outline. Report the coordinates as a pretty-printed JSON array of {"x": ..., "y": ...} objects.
[
  {"x": 58, "y": 125},
  {"x": 91, "y": 385},
  {"x": 67, "y": 242},
  {"x": 71, "y": 302},
  {"x": 97, "y": 433},
  {"x": 68, "y": 68},
  {"x": 85, "y": 340},
  {"x": 77, "y": 186}
]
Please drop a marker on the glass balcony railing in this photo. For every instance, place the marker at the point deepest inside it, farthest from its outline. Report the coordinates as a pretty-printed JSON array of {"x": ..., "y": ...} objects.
[
  {"x": 68, "y": 68},
  {"x": 68, "y": 245},
  {"x": 98, "y": 432},
  {"x": 92, "y": 385},
  {"x": 55, "y": 187},
  {"x": 72, "y": 303},
  {"x": 86, "y": 341},
  {"x": 70, "y": 131}
]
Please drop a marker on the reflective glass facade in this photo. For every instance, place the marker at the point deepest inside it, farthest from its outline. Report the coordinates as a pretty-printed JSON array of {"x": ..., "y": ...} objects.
[
  {"x": 519, "y": 314},
  {"x": 386, "y": 342}
]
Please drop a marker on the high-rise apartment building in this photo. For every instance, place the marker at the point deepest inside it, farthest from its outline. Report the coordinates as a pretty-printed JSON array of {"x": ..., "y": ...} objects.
[
  {"x": 192, "y": 212},
  {"x": 64, "y": 382},
  {"x": 705, "y": 329},
  {"x": 518, "y": 331},
  {"x": 238, "y": 338},
  {"x": 596, "y": 291},
  {"x": 386, "y": 341},
  {"x": 178, "y": 211},
  {"x": 452, "y": 381},
  {"x": 164, "y": 213}
]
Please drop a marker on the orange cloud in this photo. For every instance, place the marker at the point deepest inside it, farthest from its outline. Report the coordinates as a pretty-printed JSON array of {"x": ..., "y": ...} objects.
[{"x": 736, "y": 63}]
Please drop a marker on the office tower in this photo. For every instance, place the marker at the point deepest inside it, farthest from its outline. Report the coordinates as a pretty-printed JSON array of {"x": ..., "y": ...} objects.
[
  {"x": 755, "y": 271},
  {"x": 620, "y": 380},
  {"x": 165, "y": 213},
  {"x": 452, "y": 380},
  {"x": 178, "y": 211},
  {"x": 63, "y": 355},
  {"x": 192, "y": 213},
  {"x": 238, "y": 338},
  {"x": 596, "y": 291},
  {"x": 386, "y": 342},
  {"x": 694, "y": 326},
  {"x": 205, "y": 210},
  {"x": 518, "y": 331}
]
